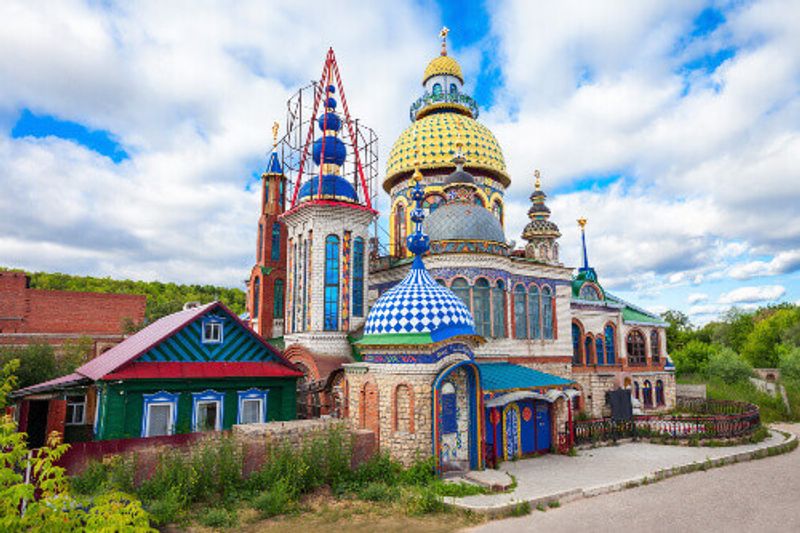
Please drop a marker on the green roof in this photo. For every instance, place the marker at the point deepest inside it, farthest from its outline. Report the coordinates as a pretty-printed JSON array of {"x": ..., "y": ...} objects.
[
  {"x": 508, "y": 376},
  {"x": 391, "y": 339},
  {"x": 632, "y": 315}
]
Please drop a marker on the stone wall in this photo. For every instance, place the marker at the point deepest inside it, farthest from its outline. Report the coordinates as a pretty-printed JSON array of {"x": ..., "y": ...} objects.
[{"x": 691, "y": 391}]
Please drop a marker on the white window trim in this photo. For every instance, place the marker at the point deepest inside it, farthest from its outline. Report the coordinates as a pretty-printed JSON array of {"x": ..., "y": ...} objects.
[
  {"x": 207, "y": 340},
  {"x": 242, "y": 403},
  {"x": 160, "y": 398},
  {"x": 83, "y": 412},
  {"x": 207, "y": 396},
  {"x": 171, "y": 429},
  {"x": 253, "y": 394}
]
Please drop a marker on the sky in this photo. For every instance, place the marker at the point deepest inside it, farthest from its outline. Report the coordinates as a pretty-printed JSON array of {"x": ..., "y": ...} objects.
[{"x": 132, "y": 134}]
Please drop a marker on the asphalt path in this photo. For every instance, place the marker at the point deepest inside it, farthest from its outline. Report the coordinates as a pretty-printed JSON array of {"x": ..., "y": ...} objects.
[{"x": 755, "y": 496}]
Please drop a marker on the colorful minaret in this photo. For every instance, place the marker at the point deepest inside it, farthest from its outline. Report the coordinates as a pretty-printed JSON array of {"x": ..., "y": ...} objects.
[
  {"x": 540, "y": 232},
  {"x": 327, "y": 232},
  {"x": 266, "y": 289}
]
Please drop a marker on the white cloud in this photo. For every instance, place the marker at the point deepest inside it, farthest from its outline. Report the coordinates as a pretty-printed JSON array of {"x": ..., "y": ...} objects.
[
  {"x": 782, "y": 263},
  {"x": 697, "y": 297},
  {"x": 745, "y": 295}
]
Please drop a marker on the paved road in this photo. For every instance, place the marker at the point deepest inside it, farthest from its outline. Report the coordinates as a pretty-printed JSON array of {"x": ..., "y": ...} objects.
[{"x": 761, "y": 495}]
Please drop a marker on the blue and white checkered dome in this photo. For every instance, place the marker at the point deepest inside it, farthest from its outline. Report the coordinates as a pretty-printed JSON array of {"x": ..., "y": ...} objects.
[{"x": 420, "y": 305}]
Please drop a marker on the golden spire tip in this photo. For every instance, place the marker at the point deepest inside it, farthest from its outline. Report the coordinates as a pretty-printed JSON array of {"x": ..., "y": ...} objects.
[
  {"x": 443, "y": 34},
  {"x": 538, "y": 179},
  {"x": 582, "y": 223},
  {"x": 275, "y": 128}
]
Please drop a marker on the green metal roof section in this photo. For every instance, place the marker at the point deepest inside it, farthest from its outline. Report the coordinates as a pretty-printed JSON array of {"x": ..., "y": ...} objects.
[
  {"x": 631, "y": 313},
  {"x": 392, "y": 339},
  {"x": 497, "y": 377},
  {"x": 582, "y": 277},
  {"x": 353, "y": 340}
]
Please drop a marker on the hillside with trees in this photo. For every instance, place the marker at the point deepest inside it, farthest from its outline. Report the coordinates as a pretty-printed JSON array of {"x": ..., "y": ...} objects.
[{"x": 162, "y": 298}]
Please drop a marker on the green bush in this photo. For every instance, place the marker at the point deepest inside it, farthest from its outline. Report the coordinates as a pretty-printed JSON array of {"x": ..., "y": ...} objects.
[
  {"x": 693, "y": 357},
  {"x": 790, "y": 367},
  {"x": 422, "y": 501},
  {"x": 380, "y": 467},
  {"x": 728, "y": 366},
  {"x": 522, "y": 509},
  {"x": 92, "y": 480},
  {"x": 218, "y": 517},
  {"x": 279, "y": 499},
  {"x": 170, "y": 508},
  {"x": 457, "y": 490},
  {"x": 421, "y": 472},
  {"x": 376, "y": 492}
]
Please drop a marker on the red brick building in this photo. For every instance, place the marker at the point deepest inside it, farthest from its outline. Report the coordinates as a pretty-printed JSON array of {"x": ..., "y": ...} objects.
[{"x": 30, "y": 315}]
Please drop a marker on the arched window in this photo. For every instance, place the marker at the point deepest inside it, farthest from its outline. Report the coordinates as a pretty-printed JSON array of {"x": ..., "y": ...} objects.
[
  {"x": 598, "y": 350},
  {"x": 636, "y": 389},
  {"x": 478, "y": 200},
  {"x": 543, "y": 252},
  {"x": 331, "y": 322},
  {"x": 358, "y": 277},
  {"x": 548, "y": 305},
  {"x": 400, "y": 230},
  {"x": 403, "y": 409},
  {"x": 611, "y": 344},
  {"x": 276, "y": 242},
  {"x": 497, "y": 210},
  {"x": 635, "y": 346},
  {"x": 520, "y": 317},
  {"x": 256, "y": 298},
  {"x": 449, "y": 408},
  {"x": 278, "y": 297},
  {"x": 437, "y": 89},
  {"x": 260, "y": 243},
  {"x": 589, "y": 292},
  {"x": 441, "y": 282},
  {"x": 577, "y": 358},
  {"x": 282, "y": 193},
  {"x": 588, "y": 349},
  {"x": 460, "y": 288},
  {"x": 482, "y": 312},
  {"x": 534, "y": 319},
  {"x": 655, "y": 347},
  {"x": 660, "y": 392},
  {"x": 647, "y": 394},
  {"x": 453, "y": 88},
  {"x": 499, "y": 310}
]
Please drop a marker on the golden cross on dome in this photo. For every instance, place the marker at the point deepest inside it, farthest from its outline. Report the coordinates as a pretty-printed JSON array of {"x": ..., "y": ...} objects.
[
  {"x": 275, "y": 128},
  {"x": 538, "y": 179},
  {"x": 443, "y": 34},
  {"x": 582, "y": 223}
]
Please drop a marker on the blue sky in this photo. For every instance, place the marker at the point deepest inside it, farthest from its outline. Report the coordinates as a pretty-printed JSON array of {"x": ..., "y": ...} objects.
[{"x": 673, "y": 127}]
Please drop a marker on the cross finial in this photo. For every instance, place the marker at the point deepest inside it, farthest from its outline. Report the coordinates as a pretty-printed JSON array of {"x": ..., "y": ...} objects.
[
  {"x": 443, "y": 34},
  {"x": 538, "y": 179},
  {"x": 582, "y": 223},
  {"x": 275, "y": 128}
]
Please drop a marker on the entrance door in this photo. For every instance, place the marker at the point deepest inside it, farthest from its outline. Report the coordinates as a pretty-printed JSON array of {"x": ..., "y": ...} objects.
[
  {"x": 542, "y": 427},
  {"x": 511, "y": 431},
  {"x": 37, "y": 423}
]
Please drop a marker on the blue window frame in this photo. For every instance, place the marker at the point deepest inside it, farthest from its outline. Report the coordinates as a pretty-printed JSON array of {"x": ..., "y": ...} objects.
[
  {"x": 276, "y": 242},
  {"x": 159, "y": 414},
  {"x": 278, "y": 299},
  {"x": 611, "y": 348},
  {"x": 212, "y": 331},
  {"x": 576, "y": 345},
  {"x": 482, "y": 312},
  {"x": 252, "y": 406},
  {"x": 449, "y": 409},
  {"x": 256, "y": 298},
  {"x": 331, "y": 283},
  {"x": 548, "y": 304},
  {"x": 207, "y": 410},
  {"x": 499, "y": 310},
  {"x": 453, "y": 88},
  {"x": 358, "y": 277},
  {"x": 598, "y": 350},
  {"x": 437, "y": 89},
  {"x": 520, "y": 318},
  {"x": 460, "y": 288},
  {"x": 533, "y": 313}
]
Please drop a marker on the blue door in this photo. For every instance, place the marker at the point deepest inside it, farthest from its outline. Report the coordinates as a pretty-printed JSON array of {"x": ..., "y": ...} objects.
[
  {"x": 512, "y": 434},
  {"x": 542, "y": 427}
]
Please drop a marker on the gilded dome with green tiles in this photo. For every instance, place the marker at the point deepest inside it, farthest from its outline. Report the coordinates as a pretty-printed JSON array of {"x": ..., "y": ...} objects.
[{"x": 436, "y": 138}]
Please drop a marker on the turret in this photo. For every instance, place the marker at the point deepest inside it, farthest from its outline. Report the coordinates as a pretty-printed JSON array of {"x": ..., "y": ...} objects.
[{"x": 540, "y": 232}]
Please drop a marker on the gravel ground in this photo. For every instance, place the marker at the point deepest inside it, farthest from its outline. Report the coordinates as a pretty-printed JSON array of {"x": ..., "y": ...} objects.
[{"x": 760, "y": 495}]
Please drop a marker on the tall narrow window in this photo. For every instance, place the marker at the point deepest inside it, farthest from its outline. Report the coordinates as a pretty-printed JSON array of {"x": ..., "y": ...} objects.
[
  {"x": 266, "y": 196},
  {"x": 548, "y": 304},
  {"x": 304, "y": 293},
  {"x": 636, "y": 349},
  {"x": 331, "y": 283},
  {"x": 358, "y": 277},
  {"x": 659, "y": 392},
  {"x": 260, "y": 244},
  {"x": 281, "y": 193},
  {"x": 534, "y": 318},
  {"x": 598, "y": 350},
  {"x": 611, "y": 344},
  {"x": 453, "y": 88},
  {"x": 482, "y": 312},
  {"x": 256, "y": 298},
  {"x": 647, "y": 394},
  {"x": 587, "y": 348},
  {"x": 400, "y": 230},
  {"x": 276, "y": 242},
  {"x": 576, "y": 344},
  {"x": 437, "y": 89},
  {"x": 460, "y": 288},
  {"x": 520, "y": 317},
  {"x": 499, "y": 310},
  {"x": 278, "y": 298},
  {"x": 655, "y": 347}
]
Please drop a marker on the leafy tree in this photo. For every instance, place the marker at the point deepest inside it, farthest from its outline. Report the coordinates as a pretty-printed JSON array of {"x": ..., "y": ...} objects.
[
  {"x": 37, "y": 363},
  {"x": 729, "y": 366},
  {"x": 693, "y": 357},
  {"x": 790, "y": 366},
  {"x": 763, "y": 345},
  {"x": 74, "y": 353},
  {"x": 679, "y": 331},
  {"x": 734, "y": 328}
]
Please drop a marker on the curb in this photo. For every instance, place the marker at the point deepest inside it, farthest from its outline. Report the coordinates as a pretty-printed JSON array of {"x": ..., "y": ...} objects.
[{"x": 789, "y": 443}]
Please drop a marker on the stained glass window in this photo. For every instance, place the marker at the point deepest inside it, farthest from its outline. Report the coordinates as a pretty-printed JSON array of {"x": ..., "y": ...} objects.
[
  {"x": 611, "y": 344},
  {"x": 276, "y": 242},
  {"x": 534, "y": 318},
  {"x": 331, "y": 322},
  {"x": 278, "y": 298},
  {"x": 482, "y": 311},
  {"x": 499, "y": 310},
  {"x": 548, "y": 305},
  {"x": 358, "y": 277},
  {"x": 520, "y": 317}
]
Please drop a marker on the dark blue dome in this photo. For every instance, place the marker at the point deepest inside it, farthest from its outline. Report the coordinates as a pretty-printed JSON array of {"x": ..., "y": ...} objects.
[
  {"x": 334, "y": 123},
  {"x": 335, "y": 150},
  {"x": 333, "y": 186},
  {"x": 330, "y": 103},
  {"x": 331, "y": 89}
]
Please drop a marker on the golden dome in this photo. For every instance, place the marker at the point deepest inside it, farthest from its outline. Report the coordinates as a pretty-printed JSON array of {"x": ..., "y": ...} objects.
[
  {"x": 436, "y": 138},
  {"x": 443, "y": 65}
]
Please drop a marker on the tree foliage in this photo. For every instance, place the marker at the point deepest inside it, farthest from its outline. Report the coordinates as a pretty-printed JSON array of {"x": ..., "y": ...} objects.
[
  {"x": 36, "y": 363},
  {"x": 162, "y": 298}
]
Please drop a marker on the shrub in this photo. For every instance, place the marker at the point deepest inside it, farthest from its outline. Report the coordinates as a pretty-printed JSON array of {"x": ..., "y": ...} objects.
[
  {"x": 457, "y": 490},
  {"x": 218, "y": 517},
  {"x": 169, "y": 508},
  {"x": 380, "y": 467},
  {"x": 728, "y": 366},
  {"x": 790, "y": 367},
  {"x": 423, "y": 500},
  {"x": 693, "y": 357},
  {"x": 376, "y": 492},
  {"x": 279, "y": 499},
  {"x": 92, "y": 480},
  {"x": 421, "y": 472},
  {"x": 522, "y": 509}
]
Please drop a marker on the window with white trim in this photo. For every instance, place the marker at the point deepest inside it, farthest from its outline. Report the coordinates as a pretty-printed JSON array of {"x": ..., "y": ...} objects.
[
  {"x": 207, "y": 411},
  {"x": 160, "y": 414},
  {"x": 212, "y": 332},
  {"x": 252, "y": 407},
  {"x": 76, "y": 410}
]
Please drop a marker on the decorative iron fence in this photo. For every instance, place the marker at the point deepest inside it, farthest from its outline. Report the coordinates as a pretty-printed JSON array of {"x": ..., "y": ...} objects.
[{"x": 702, "y": 419}]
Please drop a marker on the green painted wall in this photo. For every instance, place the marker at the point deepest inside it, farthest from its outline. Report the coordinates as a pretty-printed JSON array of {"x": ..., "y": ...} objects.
[{"x": 120, "y": 411}]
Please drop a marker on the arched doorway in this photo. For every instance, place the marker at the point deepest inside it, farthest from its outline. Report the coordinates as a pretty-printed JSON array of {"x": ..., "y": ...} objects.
[{"x": 457, "y": 418}]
